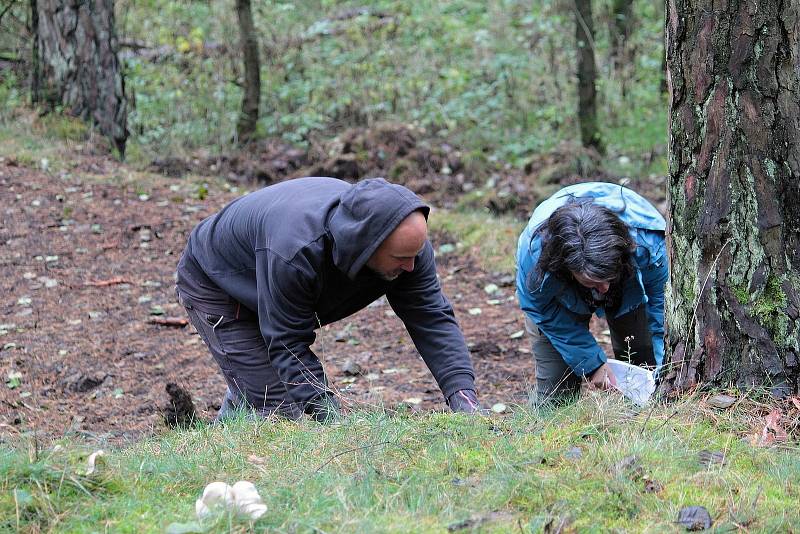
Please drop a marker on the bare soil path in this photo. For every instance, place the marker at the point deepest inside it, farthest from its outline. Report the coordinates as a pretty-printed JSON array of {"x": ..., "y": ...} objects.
[{"x": 86, "y": 265}]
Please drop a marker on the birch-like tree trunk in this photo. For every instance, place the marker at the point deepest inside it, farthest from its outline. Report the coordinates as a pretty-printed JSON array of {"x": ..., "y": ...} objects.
[{"x": 733, "y": 306}]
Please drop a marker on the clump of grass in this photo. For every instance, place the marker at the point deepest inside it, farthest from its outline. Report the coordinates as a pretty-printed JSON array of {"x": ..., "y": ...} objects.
[{"x": 595, "y": 464}]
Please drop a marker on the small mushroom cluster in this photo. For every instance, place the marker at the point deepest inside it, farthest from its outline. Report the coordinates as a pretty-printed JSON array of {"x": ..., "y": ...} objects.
[{"x": 241, "y": 498}]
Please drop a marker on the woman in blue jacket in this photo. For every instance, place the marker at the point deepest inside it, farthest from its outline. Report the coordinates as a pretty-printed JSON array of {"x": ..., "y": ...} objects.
[{"x": 591, "y": 248}]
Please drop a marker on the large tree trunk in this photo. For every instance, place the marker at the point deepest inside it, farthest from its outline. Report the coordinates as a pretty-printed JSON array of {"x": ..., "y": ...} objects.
[
  {"x": 734, "y": 190},
  {"x": 248, "y": 119},
  {"x": 587, "y": 74},
  {"x": 79, "y": 65}
]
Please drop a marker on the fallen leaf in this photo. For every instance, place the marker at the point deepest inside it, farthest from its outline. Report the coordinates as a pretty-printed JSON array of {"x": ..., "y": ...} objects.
[
  {"x": 773, "y": 432},
  {"x": 413, "y": 400},
  {"x": 474, "y": 311},
  {"x": 258, "y": 460},
  {"x": 518, "y": 334},
  {"x": 694, "y": 518}
]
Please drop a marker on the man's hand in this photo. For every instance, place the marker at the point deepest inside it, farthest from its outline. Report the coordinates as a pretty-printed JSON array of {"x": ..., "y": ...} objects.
[
  {"x": 602, "y": 378},
  {"x": 465, "y": 401},
  {"x": 324, "y": 409}
]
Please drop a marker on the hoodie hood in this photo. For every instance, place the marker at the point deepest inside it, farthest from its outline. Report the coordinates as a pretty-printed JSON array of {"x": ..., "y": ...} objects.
[{"x": 365, "y": 216}]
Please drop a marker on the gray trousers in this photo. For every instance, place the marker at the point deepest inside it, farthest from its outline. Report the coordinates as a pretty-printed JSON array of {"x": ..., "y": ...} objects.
[
  {"x": 555, "y": 379},
  {"x": 241, "y": 354}
]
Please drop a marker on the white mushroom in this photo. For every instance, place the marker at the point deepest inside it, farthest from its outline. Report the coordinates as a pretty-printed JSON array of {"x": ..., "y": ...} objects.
[
  {"x": 248, "y": 501},
  {"x": 215, "y": 496}
]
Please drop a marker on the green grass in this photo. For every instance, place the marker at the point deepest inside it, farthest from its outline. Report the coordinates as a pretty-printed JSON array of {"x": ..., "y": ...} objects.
[
  {"x": 492, "y": 240},
  {"x": 374, "y": 472}
]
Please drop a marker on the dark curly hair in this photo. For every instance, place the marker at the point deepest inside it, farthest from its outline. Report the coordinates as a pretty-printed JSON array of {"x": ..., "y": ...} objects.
[{"x": 586, "y": 238}]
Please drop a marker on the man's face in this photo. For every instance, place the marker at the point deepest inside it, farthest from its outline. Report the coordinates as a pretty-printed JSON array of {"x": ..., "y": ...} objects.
[{"x": 397, "y": 253}]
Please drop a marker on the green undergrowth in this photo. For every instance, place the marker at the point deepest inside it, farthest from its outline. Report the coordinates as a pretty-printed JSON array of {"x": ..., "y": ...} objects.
[
  {"x": 491, "y": 239},
  {"x": 494, "y": 78},
  {"x": 596, "y": 465}
]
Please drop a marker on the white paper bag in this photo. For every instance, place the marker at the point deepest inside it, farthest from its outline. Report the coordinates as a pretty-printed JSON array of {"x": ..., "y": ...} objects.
[{"x": 636, "y": 383}]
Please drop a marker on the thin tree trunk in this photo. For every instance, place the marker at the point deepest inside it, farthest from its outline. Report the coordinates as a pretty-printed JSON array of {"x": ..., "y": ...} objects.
[
  {"x": 733, "y": 308},
  {"x": 248, "y": 119},
  {"x": 620, "y": 30},
  {"x": 78, "y": 62},
  {"x": 587, "y": 75},
  {"x": 36, "y": 83}
]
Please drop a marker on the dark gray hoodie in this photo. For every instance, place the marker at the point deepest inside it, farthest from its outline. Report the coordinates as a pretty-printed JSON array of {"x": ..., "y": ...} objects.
[{"x": 293, "y": 255}]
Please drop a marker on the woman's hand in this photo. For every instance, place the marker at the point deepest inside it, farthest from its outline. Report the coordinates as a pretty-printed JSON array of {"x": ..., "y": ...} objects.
[{"x": 602, "y": 378}]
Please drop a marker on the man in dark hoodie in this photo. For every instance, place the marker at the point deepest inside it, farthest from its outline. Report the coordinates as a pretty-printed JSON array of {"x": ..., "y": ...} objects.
[{"x": 261, "y": 275}]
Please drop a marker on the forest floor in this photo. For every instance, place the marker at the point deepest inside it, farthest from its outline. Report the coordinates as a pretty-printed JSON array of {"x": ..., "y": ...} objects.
[{"x": 86, "y": 270}]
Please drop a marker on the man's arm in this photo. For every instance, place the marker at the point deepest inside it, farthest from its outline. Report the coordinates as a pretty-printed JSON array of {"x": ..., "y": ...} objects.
[
  {"x": 418, "y": 301},
  {"x": 286, "y": 293}
]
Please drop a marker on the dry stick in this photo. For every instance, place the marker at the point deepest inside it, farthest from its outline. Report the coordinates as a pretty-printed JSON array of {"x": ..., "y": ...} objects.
[
  {"x": 109, "y": 282},
  {"x": 175, "y": 322}
]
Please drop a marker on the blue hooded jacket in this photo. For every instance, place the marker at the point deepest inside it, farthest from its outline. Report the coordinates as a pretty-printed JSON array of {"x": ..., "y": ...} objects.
[{"x": 555, "y": 306}]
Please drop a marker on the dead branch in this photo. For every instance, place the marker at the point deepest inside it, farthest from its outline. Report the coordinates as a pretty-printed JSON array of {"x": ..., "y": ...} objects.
[
  {"x": 110, "y": 282},
  {"x": 174, "y": 322}
]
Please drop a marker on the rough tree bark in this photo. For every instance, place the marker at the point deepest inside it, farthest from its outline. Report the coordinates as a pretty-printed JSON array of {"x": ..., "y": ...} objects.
[
  {"x": 79, "y": 65},
  {"x": 733, "y": 306},
  {"x": 246, "y": 127},
  {"x": 587, "y": 75}
]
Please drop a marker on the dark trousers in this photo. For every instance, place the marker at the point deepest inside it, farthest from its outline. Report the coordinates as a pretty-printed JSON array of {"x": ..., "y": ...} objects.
[
  {"x": 241, "y": 354},
  {"x": 555, "y": 379}
]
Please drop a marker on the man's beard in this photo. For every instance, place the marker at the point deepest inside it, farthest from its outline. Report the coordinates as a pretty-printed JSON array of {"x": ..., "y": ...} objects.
[{"x": 386, "y": 277}]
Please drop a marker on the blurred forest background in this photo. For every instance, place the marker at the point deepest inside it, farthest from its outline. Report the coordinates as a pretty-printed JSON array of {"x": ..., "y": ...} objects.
[{"x": 482, "y": 89}]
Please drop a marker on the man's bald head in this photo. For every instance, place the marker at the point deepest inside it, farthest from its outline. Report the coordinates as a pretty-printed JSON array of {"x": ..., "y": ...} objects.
[{"x": 397, "y": 252}]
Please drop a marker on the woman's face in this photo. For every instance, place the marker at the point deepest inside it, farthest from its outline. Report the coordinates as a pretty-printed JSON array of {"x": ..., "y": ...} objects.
[{"x": 601, "y": 286}]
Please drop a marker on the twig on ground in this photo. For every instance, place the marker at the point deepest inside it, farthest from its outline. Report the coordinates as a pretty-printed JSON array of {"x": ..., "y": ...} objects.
[
  {"x": 174, "y": 322},
  {"x": 110, "y": 282}
]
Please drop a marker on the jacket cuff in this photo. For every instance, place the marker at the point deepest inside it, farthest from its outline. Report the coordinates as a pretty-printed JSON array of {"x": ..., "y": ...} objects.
[
  {"x": 456, "y": 383},
  {"x": 590, "y": 365}
]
